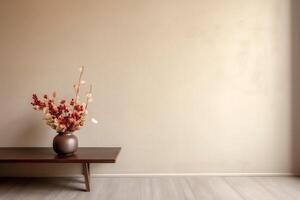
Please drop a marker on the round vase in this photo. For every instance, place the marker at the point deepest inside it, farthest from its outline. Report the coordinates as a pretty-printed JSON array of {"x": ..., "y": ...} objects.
[{"x": 65, "y": 144}]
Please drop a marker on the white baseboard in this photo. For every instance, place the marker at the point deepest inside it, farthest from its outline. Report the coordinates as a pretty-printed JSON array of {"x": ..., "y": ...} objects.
[
  {"x": 193, "y": 174},
  {"x": 140, "y": 175}
]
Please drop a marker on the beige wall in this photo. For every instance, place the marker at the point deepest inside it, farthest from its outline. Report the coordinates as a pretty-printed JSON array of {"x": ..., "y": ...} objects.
[{"x": 184, "y": 86}]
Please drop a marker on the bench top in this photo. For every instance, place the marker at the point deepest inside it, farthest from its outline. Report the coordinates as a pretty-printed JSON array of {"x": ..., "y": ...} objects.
[{"x": 47, "y": 155}]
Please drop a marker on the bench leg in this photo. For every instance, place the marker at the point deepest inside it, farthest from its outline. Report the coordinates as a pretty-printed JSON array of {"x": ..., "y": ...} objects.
[{"x": 86, "y": 174}]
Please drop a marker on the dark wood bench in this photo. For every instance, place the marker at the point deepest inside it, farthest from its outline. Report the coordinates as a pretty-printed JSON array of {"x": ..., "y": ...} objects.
[{"x": 84, "y": 156}]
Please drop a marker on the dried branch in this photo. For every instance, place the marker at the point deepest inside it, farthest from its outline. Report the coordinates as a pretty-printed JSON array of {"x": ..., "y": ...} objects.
[
  {"x": 77, "y": 88},
  {"x": 88, "y": 97}
]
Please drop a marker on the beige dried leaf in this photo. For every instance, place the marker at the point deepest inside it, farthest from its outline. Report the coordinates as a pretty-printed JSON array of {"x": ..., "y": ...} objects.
[
  {"x": 94, "y": 121},
  {"x": 89, "y": 95}
]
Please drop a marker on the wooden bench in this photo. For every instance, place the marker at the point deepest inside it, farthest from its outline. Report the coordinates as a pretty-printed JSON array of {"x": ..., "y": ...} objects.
[{"x": 84, "y": 155}]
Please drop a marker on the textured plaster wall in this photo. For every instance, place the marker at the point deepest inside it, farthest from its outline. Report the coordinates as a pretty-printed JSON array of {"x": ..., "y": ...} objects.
[{"x": 194, "y": 86}]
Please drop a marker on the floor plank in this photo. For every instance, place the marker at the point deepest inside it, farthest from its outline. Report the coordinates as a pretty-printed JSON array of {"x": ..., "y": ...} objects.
[
  {"x": 287, "y": 188},
  {"x": 152, "y": 188},
  {"x": 208, "y": 188},
  {"x": 175, "y": 188},
  {"x": 250, "y": 189}
]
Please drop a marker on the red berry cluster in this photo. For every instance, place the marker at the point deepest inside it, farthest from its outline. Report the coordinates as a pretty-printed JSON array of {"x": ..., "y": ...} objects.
[
  {"x": 37, "y": 104},
  {"x": 61, "y": 116}
]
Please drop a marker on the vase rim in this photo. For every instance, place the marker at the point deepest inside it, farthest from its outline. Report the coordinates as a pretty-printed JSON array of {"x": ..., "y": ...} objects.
[{"x": 65, "y": 133}]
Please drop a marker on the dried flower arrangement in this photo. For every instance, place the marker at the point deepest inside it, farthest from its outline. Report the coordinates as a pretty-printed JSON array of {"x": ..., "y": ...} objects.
[{"x": 61, "y": 115}]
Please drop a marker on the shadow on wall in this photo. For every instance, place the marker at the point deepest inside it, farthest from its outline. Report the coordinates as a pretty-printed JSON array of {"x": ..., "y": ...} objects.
[
  {"x": 24, "y": 131},
  {"x": 295, "y": 70},
  {"x": 32, "y": 134}
]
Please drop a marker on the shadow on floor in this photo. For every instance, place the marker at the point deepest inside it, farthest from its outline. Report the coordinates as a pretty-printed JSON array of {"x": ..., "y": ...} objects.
[{"x": 40, "y": 184}]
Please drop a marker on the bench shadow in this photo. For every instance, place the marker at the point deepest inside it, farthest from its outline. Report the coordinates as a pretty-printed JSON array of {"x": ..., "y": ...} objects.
[{"x": 40, "y": 184}]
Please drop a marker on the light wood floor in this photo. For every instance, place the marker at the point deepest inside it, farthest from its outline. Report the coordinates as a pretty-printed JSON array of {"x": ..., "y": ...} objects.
[{"x": 153, "y": 188}]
